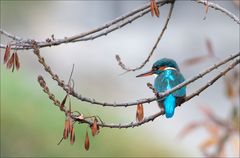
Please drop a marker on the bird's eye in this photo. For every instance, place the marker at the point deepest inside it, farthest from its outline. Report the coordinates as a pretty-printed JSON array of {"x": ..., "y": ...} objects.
[{"x": 154, "y": 69}]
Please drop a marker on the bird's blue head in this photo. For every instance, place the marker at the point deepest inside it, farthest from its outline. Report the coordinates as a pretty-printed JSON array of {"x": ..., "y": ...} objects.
[{"x": 161, "y": 65}]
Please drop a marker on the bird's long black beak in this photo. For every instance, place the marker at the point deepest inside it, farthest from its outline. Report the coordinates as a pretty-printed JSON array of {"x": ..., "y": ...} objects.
[{"x": 146, "y": 74}]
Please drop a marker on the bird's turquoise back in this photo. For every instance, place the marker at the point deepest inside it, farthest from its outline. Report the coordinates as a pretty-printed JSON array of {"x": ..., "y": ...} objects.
[{"x": 165, "y": 81}]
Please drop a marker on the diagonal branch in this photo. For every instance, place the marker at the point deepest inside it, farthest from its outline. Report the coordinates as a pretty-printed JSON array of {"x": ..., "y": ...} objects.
[
  {"x": 218, "y": 7},
  {"x": 122, "y": 65},
  {"x": 146, "y": 100},
  {"x": 146, "y": 119}
]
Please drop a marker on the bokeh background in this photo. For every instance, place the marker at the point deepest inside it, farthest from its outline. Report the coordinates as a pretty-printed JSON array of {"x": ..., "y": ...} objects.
[{"x": 31, "y": 125}]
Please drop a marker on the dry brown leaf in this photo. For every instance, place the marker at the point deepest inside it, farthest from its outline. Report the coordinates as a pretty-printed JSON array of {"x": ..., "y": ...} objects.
[
  {"x": 94, "y": 127},
  {"x": 87, "y": 142},
  {"x": 188, "y": 129},
  {"x": 208, "y": 142},
  {"x": 139, "y": 112},
  {"x": 152, "y": 7},
  {"x": 209, "y": 48},
  {"x": 229, "y": 89},
  {"x": 10, "y": 62},
  {"x": 206, "y": 7},
  {"x": 194, "y": 60},
  {"x": 66, "y": 129},
  {"x": 72, "y": 136},
  {"x": 17, "y": 62},
  {"x": 7, "y": 54},
  {"x": 155, "y": 7}
]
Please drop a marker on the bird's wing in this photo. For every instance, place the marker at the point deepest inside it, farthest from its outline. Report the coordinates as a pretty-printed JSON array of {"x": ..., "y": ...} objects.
[{"x": 169, "y": 79}]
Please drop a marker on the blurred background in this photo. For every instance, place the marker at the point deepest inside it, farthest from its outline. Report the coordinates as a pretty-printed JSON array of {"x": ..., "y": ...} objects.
[{"x": 31, "y": 126}]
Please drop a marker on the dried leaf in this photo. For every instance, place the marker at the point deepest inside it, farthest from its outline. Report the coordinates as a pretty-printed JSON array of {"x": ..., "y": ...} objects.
[
  {"x": 139, "y": 113},
  {"x": 213, "y": 130},
  {"x": 17, "y": 63},
  {"x": 209, "y": 48},
  {"x": 207, "y": 143},
  {"x": 229, "y": 88},
  {"x": 10, "y": 62},
  {"x": 206, "y": 111},
  {"x": 72, "y": 136},
  {"x": 66, "y": 129},
  {"x": 206, "y": 7},
  {"x": 194, "y": 60},
  {"x": 188, "y": 129},
  {"x": 7, "y": 54},
  {"x": 156, "y": 10},
  {"x": 152, "y": 7},
  {"x": 87, "y": 142},
  {"x": 94, "y": 127}
]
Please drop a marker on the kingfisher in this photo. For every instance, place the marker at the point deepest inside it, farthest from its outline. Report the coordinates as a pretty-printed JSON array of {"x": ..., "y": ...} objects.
[{"x": 168, "y": 76}]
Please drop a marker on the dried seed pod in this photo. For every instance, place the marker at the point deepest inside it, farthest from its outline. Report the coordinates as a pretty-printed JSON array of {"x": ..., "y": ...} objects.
[
  {"x": 139, "y": 112},
  {"x": 7, "y": 54},
  {"x": 87, "y": 142},
  {"x": 152, "y": 7},
  {"x": 17, "y": 63},
  {"x": 66, "y": 129},
  {"x": 72, "y": 136},
  {"x": 95, "y": 127},
  {"x": 155, "y": 8},
  {"x": 10, "y": 62}
]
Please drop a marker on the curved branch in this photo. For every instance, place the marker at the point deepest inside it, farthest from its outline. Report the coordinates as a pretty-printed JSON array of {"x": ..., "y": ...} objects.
[
  {"x": 142, "y": 101},
  {"x": 140, "y": 12},
  {"x": 120, "y": 63},
  {"x": 218, "y": 7},
  {"x": 146, "y": 119}
]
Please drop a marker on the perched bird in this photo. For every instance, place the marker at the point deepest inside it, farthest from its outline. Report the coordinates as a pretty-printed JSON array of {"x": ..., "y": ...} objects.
[{"x": 168, "y": 76}]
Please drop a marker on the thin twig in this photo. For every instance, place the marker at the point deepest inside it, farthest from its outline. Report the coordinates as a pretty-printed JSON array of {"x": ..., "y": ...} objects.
[
  {"x": 218, "y": 7},
  {"x": 122, "y": 65},
  {"x": 9, "y": 35},
  {"x": 142, "y": 101},
  {"x": 147, "y": 119}
]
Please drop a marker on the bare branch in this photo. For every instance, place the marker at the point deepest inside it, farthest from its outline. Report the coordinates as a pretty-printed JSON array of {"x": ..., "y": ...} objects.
[
  {"x": 115, "y": 24},
  {"x": 146, "y": 100},
  {"x": 218, "y": 7},
  {"x": 120, "y": 63},
  {"x": 145, "y": 120},
  {"x": 9, "y": 35},
  {"x": 213, "y": 80}
]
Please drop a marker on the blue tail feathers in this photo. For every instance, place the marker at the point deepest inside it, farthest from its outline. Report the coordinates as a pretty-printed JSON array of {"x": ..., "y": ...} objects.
[{"x": 169, "y": 105}]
